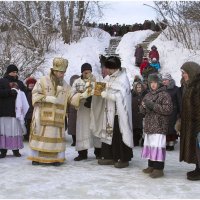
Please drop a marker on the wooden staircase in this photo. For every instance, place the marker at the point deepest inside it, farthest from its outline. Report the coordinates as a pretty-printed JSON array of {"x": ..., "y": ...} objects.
[
  {"x": 114, "y": 42},
  {"x": 111, "y": 50}
]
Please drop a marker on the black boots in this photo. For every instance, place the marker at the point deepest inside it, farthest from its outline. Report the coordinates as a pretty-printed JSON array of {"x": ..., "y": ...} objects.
[
  {"x": 3, "y": 153},
  {"x": 194, "y": 175},
  {"x": 82, "y": 155},
  {"x": 57, "y": 164},
  {"x": 169, "y": 148},
  {"x": 35, "y": 163},
  {"x": 97, "y": 152},
  {"x": 16, "y": 153}
]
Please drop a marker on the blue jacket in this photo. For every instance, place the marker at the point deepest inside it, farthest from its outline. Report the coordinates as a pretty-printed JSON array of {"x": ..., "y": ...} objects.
[{"x": 155, "y": 65}]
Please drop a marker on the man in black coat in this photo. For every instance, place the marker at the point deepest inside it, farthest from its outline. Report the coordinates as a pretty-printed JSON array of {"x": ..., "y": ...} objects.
[{"x": 10, "y": 128}]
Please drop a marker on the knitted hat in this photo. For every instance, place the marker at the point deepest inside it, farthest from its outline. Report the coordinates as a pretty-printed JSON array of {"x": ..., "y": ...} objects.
[
  {"x": 153, "y": 47},
  {"x": 166, "y": 76},
  {"x": 86, "y": 66},
  {"x": 11, "y": 68},
  {"x": 30, "y": 80},
  {"x": 113, "y": 62},
  {"x": 60, "y": 64}
]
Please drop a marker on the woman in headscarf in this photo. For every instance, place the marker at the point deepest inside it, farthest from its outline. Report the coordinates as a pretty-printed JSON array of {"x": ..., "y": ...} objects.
[{"x": 190, "y": 118}]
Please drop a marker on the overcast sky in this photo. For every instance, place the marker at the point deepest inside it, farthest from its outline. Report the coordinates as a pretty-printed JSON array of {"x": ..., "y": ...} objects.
[{"x": 128, "y": 12}]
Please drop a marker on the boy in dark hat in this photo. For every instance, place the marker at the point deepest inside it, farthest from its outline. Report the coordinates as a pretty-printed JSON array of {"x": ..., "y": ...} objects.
[{"x": 84, "y": 137}]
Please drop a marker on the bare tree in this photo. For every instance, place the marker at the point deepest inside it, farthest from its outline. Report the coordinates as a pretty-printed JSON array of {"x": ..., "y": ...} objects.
[
  {"x": 182, "y": 19},
  {"x": 29, "y": 33}
]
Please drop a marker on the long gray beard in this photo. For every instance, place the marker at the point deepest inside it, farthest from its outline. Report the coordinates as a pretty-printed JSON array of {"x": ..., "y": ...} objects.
[{"x": 56, "y": 81}]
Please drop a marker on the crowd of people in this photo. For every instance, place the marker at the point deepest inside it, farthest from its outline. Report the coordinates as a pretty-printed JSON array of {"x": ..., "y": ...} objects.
[
  {"x": 149, "y": 64},
  {"x": 103, "y": 113},
  {"x": 119, "y": 30}
]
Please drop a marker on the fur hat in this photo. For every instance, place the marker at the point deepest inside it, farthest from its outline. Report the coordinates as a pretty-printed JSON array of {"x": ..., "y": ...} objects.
[
  {"x": 156, "y": 78},
  {"x": 60, "y": 64},
  {"x": 30, "y": 80},
  {"x": 11, "y": 68},
  {"x": 113, "y": 62},
  {"x": 86, "y": 66},
  {"x": 166, "y": 76}
]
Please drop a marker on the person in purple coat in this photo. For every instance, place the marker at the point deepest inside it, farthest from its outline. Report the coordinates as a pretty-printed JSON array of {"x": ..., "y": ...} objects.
[{"x": 139, "y": 53}]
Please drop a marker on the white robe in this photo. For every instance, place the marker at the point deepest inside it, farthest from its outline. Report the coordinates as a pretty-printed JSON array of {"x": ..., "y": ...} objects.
[
  {"x": 84, "y": 137},
  {"x": 117, "y": 86}
]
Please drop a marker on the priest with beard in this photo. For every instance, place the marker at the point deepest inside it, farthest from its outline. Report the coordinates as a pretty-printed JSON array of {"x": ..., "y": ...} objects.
[{"x": 50, "y": 97}]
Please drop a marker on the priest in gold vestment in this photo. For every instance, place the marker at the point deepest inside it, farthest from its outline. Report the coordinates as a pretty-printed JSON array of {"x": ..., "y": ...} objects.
[{"x": 50, "y": 97}]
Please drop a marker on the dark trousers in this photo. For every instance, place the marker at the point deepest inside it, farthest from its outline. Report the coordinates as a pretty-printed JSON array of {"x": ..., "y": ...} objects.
[
  {"x": 156, "y": 164},
  {"x": 197, "y": 151},
  {"x": 137, "y": 135},
  {"x": 28, "y": 126},
  {"x": 117, "y": 150}
]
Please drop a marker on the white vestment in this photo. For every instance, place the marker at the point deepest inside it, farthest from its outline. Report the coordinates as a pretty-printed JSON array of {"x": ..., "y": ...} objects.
[
  {"x": 117, "y": 103},
  {"x": 84, "y": 138}
]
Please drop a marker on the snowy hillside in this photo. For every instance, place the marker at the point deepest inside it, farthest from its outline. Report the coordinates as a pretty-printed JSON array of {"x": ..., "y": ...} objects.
[
  {"x": 172, "y": 53},
  {"x": 86, "y": 50},
  {"x": 126, "y": 50}
]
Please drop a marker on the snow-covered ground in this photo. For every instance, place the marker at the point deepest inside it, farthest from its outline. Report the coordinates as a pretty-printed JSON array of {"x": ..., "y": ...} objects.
[{"x": 86, "y": 179}]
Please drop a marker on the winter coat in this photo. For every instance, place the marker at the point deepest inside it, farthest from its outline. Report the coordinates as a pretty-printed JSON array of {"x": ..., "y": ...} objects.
[
  {"x": 30, "y": 110},
  {"x": 156, "y": 65},
  {"x": 143, "y": 66},
  {"x": 7, "y": 98},
  {"x": 157, "y": 119},
  {"x": 154, "y": 54},
  {"x": 175, "y": 94},
  {"x": 72, "y": 116},
  {"x": 148, "y": 70},
  {"x": 137, "y": 117},
  {"x": 190, "y": 120},
  {"x": 139, "y": 53},
  {"x": 72, "y": 112}
]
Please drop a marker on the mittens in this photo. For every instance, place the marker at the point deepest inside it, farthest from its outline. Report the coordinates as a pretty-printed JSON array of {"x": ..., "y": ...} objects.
[{"x": 149, "y": 104}]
